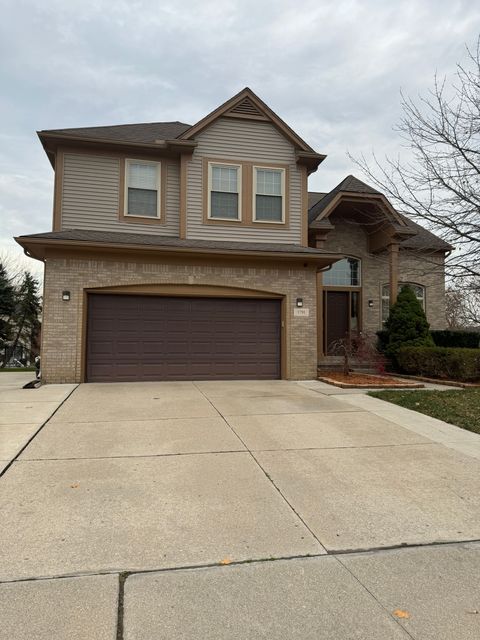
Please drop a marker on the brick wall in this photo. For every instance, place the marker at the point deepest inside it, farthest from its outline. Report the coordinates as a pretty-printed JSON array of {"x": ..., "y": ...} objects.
[
  {"x": 63, "y": 321},
  {"x": 425, "y": 269}
]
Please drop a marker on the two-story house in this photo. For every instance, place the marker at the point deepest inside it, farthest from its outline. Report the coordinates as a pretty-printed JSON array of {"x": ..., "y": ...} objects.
[{"x": 196, "y": 252}]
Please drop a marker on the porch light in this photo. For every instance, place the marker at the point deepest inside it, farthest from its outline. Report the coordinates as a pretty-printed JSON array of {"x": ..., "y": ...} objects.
[
  {"x": 65, "y": 296},
  {"x": 299, "y": 302},
  {"x": 370, "y": 303}
]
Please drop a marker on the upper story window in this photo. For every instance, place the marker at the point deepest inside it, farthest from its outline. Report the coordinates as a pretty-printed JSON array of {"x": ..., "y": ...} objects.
[
  {"x": 224, "y": 191},
  {"x": 142, "y": 183},
  {"x": 418, "y": 290},
  {"x": 344, "y": 273},
  {"x": 268, "y": 194}
]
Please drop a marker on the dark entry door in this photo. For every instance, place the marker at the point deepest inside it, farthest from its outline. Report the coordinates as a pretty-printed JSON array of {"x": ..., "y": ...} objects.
[
  {"x": 337, "y": 317},
  {"x": 132, "y": 337}
]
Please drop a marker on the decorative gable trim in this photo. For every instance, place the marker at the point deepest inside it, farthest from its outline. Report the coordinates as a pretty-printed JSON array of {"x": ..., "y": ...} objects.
[
  {"x": 247, "y": 109},
  {"x": 246, "y": 104}
]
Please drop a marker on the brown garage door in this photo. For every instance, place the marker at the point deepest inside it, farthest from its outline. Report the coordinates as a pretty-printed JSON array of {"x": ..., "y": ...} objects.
[{"x": 132, "y": 337}]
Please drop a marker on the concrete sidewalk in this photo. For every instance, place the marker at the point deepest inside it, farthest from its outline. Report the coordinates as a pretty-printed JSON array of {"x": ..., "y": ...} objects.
[
  {"x": 238, "y": 510},
  {"x": 24, "y": 411}
]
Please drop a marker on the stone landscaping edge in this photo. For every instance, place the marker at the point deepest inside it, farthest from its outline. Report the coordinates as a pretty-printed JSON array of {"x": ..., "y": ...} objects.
[
  {"x": 447, "y": 383},
  {"x": 346, "y": 385}
]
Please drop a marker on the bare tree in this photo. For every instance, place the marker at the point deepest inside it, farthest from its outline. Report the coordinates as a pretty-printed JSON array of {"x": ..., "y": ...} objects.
[
  {"x": 359, "y": 349},
  {"x": 463, "y": 305},
  {"x": 16, "y": 264},
  {"x": 439, "y": 186}
]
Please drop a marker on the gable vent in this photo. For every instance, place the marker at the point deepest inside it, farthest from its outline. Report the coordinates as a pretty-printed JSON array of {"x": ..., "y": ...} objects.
[{"x": 246, "y": 108}]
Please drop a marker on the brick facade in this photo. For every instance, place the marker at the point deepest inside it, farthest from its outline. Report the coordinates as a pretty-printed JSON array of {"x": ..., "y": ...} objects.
[
  {"x": 63, "y": 322},
  {"x": 426, "y": 269}
]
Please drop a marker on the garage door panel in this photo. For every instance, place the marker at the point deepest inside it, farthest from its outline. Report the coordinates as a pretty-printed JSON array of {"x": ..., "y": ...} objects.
[{"x": 167, "y": 338}]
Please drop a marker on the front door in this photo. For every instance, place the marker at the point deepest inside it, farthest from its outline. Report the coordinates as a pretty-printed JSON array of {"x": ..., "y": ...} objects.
[{"x": 341, "y": 316}]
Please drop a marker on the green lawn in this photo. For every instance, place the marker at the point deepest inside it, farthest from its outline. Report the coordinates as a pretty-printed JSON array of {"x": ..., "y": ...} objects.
[
  {"x": 16, "y": 369},
  {"x": 459, "y": 407}
]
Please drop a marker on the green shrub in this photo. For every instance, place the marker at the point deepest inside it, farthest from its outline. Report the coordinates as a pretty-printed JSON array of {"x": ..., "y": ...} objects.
[
  {"x": 407, "y": 324},
  {"x": 449, "y": 338},
  {"x": 440, "y": 362},
  {"x": 382, "y": 340}
]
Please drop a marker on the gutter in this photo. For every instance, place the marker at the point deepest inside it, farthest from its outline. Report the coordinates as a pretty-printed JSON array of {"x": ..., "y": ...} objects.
[
  {"x": 51, "y": 141},
  {"x": 157, "y": 145},
  {"x": 29, "y": 244}
]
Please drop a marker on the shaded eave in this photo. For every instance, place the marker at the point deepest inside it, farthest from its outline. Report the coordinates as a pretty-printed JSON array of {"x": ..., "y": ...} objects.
[
  {"x": 38, "y": 248},
  {"x": 51, "y": 142},
  {"x": 391, "y": 227},
  {"x": 311, "y": 160},
  {"x": 398, "y": 228}
]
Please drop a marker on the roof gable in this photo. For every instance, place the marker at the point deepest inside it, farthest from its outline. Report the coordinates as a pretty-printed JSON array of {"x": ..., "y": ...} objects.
[
  {"x": 350, "y": 186},
  {"x": 246, "y": 104},
  {"x": 416, "y": 237}
]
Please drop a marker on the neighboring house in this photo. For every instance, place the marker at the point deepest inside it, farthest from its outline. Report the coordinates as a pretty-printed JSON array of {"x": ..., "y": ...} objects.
[
  {"x": 24, "y": 353},
  {"x": 196, "y": 252}
]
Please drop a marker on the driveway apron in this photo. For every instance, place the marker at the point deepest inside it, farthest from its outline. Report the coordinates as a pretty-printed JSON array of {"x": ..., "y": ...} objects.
[{"x": 251, "y": 509}]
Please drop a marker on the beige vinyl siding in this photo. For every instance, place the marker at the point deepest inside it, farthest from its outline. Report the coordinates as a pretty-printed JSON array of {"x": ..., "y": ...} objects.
[
  {"x": 250, "y": 141},
  {"x": 90, "y": 196}
]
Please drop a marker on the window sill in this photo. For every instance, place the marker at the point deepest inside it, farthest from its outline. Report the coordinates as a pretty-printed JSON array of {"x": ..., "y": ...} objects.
[
  {"x": 275, "y": 222},
  {"x": 130, "y": 219},
  {"x": 223, "y": 221}
]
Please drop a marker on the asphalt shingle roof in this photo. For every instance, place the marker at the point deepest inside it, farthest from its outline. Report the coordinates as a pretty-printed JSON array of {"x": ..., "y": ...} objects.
[
  {"x": 423, "y": 240},
  {"x": 314, "y": 197},
  {"x": 120, "y": 237},
  {"x": 350, "y": 184},
  {"x": 145, "y": 133}
]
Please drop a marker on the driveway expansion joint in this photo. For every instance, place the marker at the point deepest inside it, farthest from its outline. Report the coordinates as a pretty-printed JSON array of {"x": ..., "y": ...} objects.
[
  {"x": 229, "y": 451},
  {"x": 120, "y": 606},
  {"x": 265, "y": 473},
  {"x": 402, "y": 545},
  {"x": 336, "y": 554},
  {"x": 380, "y": 604},
  {"x": 19, "y": 453}
]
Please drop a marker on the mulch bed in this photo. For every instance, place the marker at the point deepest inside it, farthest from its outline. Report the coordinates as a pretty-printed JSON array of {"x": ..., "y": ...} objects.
[{"x": 366, "y": 381}]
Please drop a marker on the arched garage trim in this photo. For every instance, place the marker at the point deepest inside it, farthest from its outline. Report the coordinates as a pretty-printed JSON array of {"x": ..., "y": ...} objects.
[{"x": 189, "y": 290}]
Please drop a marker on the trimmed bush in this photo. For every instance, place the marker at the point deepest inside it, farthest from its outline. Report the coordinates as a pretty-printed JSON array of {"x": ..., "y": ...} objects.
[
  {"x": 441, "y": 338},
  {"x": 407, "y": 324},
  {"x": 440, "y": 362},
  {"x": 462, "y": 339},
  {"x": 382, "y": 340}
]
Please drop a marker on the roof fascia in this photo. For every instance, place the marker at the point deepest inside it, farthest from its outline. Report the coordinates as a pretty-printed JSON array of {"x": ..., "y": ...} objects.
[
  {"x": 51, "y": 142},
  {"x": 362, "y": 197},
  {"x": 37, "y": 247}
]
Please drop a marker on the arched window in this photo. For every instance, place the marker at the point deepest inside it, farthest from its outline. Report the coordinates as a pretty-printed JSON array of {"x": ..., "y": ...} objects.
[
  {"x": 418, "y": 290},
  {"x": 344, "y": 273}
]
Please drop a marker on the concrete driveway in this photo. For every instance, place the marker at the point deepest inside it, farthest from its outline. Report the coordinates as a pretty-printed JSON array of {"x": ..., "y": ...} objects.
[{"x": 234, "y": 510}]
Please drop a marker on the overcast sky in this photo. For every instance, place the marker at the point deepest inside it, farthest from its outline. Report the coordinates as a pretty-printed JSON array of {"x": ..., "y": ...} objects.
[{"x": 332, "y": 70}]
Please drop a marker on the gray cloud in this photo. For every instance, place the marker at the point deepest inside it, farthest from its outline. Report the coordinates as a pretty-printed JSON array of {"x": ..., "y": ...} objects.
[{"x": 332, "y": 70}]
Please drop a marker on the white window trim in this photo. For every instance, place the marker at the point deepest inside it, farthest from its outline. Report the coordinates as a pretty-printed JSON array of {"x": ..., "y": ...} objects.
[
  {"x": 239, "y": 192},
  {"x": 128, "y": 161},
  {"x": 254, "y": 194}
]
